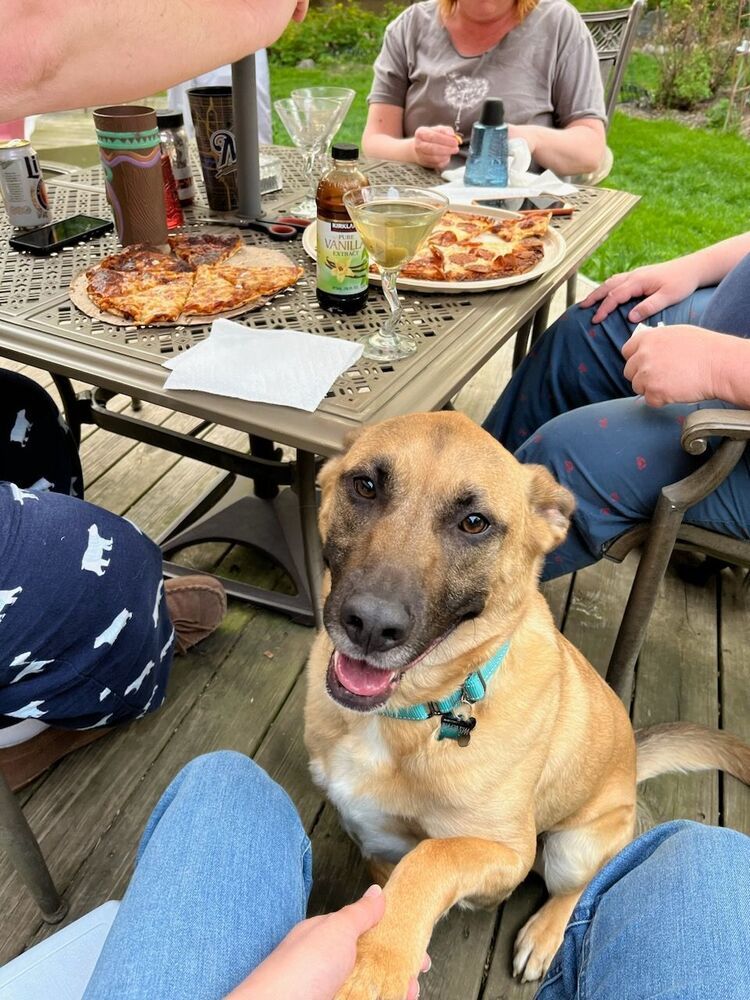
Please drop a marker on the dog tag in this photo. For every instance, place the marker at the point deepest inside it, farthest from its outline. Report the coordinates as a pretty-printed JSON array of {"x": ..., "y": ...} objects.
[{"x": 454, "y": 728}]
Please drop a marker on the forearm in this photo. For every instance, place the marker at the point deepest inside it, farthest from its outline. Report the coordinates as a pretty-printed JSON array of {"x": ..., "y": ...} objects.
[
  {"x": 56, "y": 55},
  {"x": 730, "y": 366},
  {"x": 713, "y": 263},
  {"x": 578, "y": 149},
  {"x": 379, "y": 144}
]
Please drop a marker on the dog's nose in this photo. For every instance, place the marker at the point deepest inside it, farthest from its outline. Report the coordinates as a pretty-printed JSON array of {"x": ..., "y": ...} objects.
[{"x": 374, "y": 623}]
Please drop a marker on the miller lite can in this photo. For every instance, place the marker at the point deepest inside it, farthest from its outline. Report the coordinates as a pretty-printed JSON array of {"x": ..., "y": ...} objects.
[{"x": 23, "y": 189}]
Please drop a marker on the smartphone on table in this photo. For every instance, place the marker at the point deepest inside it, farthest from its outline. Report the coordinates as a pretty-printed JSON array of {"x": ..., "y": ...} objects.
[
  {"x": 541, "y": 202},
  {"x": 51, "y": 238}
]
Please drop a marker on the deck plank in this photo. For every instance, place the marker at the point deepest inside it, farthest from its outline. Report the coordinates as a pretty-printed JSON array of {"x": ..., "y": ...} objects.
[
  {"x": 735, "y": 688},
  {"x": 678, "y": 680}
]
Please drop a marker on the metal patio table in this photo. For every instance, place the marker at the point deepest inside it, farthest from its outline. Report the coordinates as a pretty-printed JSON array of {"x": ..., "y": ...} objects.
[{"x": 457, "y": 334}]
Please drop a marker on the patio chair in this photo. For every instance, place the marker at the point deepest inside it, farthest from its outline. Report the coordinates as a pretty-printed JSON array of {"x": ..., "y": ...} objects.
[
  {"x": 666, "y": 532},
  {"x": 20, "y": 844}
]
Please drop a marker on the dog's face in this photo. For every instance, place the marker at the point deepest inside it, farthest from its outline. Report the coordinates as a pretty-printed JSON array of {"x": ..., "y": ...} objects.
[{"x": 433, "y": 537}]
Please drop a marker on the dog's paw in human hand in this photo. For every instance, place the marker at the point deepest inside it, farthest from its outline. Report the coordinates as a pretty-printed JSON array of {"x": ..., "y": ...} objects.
[
  {"x": 537, "y": 942},
  {"x": 381, "y": 974}
]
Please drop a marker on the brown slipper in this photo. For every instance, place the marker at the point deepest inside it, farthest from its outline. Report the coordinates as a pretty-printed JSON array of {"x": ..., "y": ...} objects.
[
  {"x": 197, "y": 605},
  {"x": 22, "y": 763}
]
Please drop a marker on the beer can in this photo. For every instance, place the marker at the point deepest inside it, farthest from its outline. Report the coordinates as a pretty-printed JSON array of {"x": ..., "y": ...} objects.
[{"x": 22, "y": 186}]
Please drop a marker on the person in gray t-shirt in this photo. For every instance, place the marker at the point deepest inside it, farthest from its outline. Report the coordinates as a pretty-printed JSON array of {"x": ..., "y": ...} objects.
[{"x": 440, "y": 60}]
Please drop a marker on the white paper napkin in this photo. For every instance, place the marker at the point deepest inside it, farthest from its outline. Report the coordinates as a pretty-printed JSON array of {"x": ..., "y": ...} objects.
[
  {"x": 521, "y": 183},
  {"x": 286, "y": 367}
]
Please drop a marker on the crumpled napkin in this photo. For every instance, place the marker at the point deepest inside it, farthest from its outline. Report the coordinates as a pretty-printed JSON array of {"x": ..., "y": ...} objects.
[
  {"x": 285, "y": 367},
  {"x": 521, "y": 183}
]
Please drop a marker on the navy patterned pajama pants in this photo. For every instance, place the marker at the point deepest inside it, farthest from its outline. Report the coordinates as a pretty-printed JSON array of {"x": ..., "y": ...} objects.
[
  {"x": 570, "y": 408},
  {"x": 85, "y": 636}
]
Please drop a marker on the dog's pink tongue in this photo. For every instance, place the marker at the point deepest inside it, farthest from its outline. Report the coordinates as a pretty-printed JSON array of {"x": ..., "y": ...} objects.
[{"x": 359, "y": 677}]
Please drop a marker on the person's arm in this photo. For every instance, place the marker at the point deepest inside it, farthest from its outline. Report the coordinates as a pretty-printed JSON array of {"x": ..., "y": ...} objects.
[
  {"x": 662, "y": 285},
  {"x": 56, "y": 55},
  {"x": 686, "y": 364},
  {"x": 576, "y": 149},
  {"x": 384, "y": 137}
]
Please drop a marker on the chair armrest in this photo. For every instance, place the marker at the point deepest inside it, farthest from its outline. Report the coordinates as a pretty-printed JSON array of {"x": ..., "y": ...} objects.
[{"x": 703, "y": 424}]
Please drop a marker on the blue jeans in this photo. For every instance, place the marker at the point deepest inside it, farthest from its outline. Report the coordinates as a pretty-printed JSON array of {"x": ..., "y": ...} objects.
[
  {"x": 224, "y": 871},
  {"x": 569, "y": 407}
]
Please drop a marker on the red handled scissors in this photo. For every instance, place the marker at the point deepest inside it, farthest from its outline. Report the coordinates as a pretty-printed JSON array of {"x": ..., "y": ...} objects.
[{"x": 285, "y": 227}]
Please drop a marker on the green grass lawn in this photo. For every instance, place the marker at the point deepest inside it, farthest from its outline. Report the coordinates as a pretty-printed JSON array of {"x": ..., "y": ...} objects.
[{"x": 694, "y": 184}]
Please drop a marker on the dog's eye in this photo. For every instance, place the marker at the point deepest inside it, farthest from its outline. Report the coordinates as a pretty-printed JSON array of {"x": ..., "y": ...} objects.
[
  {"x": 474, "y": 524},
  {"x": 364, "y": 487}
]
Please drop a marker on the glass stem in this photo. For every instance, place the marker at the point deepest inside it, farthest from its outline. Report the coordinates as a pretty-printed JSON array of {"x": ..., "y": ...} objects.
[
  {"x": 309, "y": 154},
  {"x": 389, "y": 277}
]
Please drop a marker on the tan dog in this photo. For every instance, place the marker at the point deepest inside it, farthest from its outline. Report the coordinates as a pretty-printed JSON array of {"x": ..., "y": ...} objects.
[{"x": 434, "y": 537}]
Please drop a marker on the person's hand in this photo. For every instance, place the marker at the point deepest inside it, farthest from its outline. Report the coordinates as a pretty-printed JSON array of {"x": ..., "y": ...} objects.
[
  {"x": 300, "y": 11},
  {"x": 673, "y": 364},
  {"x": 528, "y": 133},
  {"x": 316, "y": 957},
  {"x": 659, "y": 285},
  {"x": 434, "y": 145}
]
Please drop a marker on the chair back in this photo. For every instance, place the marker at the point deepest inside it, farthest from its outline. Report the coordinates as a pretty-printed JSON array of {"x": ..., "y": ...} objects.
[{"x": 614, "y": 33}]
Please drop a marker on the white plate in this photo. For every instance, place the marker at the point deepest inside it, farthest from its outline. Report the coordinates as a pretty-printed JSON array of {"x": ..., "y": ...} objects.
[{"x": 554, "y": 251}]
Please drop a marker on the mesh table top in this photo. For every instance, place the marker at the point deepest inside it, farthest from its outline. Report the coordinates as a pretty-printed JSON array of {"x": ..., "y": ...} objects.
[{"x": 457, "y": 333}]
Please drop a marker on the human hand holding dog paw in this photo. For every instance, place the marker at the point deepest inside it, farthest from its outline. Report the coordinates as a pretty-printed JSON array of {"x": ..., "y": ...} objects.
[
  {"x": 382, "y": 972},
  {"x": 315, "y": 958}
]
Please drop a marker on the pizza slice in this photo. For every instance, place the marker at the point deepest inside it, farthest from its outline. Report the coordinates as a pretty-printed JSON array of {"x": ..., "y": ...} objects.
[
  {"x": 425, "y": 265},
  {"x": 490, "y": 256},
  {"x": 139, "y": 259},
  {"x": 263, "y": 281},
  {"x": 147, "y": 302},
  {"x": 532, "y": 224},
  {"x": 457, "y": 227},
  {"x": 212, "y": 293},
  {"x": 204, "y": 248}
]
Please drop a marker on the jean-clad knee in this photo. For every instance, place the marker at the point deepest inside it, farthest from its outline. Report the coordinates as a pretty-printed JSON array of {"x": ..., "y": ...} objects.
[
  {"x": 669, "y": 916},
  {"x": 208, "y": 778},
  {"x": 223, "y": 842}
]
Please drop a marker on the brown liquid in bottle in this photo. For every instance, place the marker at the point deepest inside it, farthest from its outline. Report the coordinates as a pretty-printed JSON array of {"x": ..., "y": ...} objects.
[{"x": 342, "y": 268}]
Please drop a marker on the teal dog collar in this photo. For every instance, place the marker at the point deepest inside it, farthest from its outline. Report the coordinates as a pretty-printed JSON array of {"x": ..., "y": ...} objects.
[{"x": 455, "y": 725}]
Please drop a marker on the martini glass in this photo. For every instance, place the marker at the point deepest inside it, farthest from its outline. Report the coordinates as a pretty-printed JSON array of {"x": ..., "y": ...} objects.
[
  {"x": 393, "y": 223},
  {"x": 309, "y": 122},
  {"x": 343, "y": 95}
]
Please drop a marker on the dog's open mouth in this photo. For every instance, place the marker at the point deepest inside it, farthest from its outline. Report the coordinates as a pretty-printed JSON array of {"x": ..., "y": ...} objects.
[{"x": 357, "y": 684}]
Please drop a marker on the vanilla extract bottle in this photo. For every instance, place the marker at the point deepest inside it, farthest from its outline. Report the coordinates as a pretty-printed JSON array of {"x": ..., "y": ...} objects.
[{"x": 342, "y": 260}]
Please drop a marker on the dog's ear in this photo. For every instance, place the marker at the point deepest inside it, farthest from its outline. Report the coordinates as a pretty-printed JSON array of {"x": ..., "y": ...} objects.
[{"x": 551, "y": 506}]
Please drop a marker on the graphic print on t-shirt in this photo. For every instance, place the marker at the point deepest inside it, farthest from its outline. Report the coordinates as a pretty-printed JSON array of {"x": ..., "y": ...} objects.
[{"x": 465, "y": 92}]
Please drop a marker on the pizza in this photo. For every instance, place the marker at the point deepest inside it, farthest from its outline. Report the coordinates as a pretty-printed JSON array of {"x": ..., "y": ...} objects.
[
  {"x": 204, "y": 248},
  {"x": 474, "y": 247},
  {"x": 196, "y": 279}
]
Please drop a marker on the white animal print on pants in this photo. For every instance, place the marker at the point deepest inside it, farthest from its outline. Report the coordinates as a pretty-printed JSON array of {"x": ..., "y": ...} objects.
[{"x": 93, "y": 558}]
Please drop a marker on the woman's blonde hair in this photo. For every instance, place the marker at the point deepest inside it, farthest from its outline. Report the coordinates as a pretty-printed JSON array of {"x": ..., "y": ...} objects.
[{"x": 525, "y": 7}]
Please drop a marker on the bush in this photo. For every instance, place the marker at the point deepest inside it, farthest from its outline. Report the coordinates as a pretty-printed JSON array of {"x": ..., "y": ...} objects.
[
  {"x": 340, "y": 32},
  {"x": 697, "y": 52}
]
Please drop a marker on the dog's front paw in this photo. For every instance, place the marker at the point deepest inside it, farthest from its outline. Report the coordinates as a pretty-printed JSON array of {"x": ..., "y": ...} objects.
[
  {"x": 536, "y": 945},
  {"x": 377, "y": 977}
]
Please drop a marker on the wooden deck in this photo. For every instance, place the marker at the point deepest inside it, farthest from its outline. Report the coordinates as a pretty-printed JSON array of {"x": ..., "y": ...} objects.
[{"x": 243, "y": 689}]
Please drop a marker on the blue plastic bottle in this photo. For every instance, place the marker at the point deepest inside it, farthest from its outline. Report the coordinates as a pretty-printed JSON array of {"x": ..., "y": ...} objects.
[{"x": 487, "y": 164}]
